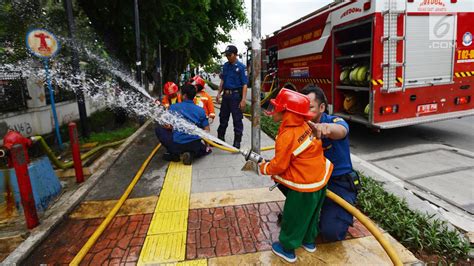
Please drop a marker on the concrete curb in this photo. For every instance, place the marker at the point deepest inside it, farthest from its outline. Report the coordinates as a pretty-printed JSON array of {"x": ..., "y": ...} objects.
[{"x": 67, "y": 203}]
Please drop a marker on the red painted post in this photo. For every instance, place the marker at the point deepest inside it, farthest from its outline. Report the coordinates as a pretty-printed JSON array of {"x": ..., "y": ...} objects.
[
  {"x": 20, "y": 162},
  {"x": 76, "y": 152}
]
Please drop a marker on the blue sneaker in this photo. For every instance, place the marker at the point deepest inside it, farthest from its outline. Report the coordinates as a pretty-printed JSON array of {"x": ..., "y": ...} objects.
[
  {"x": 278, "y": 249},
  {"x": 310, "y": 247}
]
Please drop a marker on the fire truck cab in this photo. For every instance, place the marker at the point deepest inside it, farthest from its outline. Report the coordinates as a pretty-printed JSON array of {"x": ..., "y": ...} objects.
[{"x": 382, "y": 63}]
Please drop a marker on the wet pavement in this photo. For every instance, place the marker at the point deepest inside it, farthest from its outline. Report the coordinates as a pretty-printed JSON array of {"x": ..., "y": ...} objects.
[{"x": 207, "y": 213}]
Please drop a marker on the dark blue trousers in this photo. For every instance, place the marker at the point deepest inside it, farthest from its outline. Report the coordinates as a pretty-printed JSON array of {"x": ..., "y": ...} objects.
[
  {"x": 334, "y": 220},
  {"x": 231, "y": 105},
  {"x": 165, "y": 136}
]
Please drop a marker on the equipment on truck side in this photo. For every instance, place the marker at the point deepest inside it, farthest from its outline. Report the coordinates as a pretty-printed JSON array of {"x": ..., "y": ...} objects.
[{"x": 383, "y": 52}]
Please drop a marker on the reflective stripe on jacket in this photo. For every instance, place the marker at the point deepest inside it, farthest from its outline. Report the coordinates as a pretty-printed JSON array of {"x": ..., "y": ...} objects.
[
  {"x": 299, "y": 161},
  {"x": 166, "y": 101},
  {"x": 204, "y": 100}
]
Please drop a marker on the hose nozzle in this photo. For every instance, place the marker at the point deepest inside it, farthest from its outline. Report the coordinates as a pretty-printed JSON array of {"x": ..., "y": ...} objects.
[{"x": 251, "y": 156}]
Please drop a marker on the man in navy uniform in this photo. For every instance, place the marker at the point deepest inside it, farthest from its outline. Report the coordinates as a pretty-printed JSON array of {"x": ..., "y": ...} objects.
[
  {"x": 333, "y": 131},
  {"x": 233, "y": 88}
]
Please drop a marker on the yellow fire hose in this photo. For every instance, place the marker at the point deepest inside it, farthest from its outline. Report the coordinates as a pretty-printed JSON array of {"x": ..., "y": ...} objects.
[
  {"x": 348, "y": 207},
  {"x": 270, "y": 92},
  {"x": 368, "y": 224},
  {"x": 234, "y": 150},
  {"x": 63, "y": 165},
  {"x": 88, "y": 245}
]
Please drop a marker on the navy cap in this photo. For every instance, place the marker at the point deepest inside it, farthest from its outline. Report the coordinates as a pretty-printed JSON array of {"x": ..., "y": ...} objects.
[{"x": 230, "y": 49}]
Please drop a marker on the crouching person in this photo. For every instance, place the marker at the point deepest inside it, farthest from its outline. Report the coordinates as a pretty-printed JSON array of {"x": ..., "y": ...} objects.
[
  {"x": 300, "y": 166},
  {"x": 186, "y": 145}
]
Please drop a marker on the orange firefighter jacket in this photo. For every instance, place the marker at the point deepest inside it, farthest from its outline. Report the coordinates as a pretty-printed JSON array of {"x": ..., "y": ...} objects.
[
  {"x": 166, "y": 101},
  {"x": 299, "y": 161},
  {"x": 204, "y": 100}
]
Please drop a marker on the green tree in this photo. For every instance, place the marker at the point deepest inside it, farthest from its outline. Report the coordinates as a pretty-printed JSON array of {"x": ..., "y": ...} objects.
[
  {"x": 188, "y": 30},
  {"x": 18, "y": 17},
  {"x": 212, "y": 67}
]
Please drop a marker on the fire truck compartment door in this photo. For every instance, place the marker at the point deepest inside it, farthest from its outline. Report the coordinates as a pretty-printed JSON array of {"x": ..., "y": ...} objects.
[{"x": 429, "y": 49}]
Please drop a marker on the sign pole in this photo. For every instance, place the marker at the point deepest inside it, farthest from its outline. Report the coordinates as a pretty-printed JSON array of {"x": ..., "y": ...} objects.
[
  {"x": 81, "y": 104},
  {"x": 137, "y": 42},
  {"x": 53, "y": 106},
  {"x": 256, "y": 74}
]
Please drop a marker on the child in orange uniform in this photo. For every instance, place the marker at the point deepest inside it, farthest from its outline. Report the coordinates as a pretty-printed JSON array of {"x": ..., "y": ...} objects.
[
  {"x": 203, "y": 99},
  {"x": 171, "y": 94},
  {"x": 299, "y": 164}
]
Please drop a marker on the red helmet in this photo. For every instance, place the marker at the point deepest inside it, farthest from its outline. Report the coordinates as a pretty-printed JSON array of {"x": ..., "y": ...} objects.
[
  {"x": 197, "y": 80},
  {"x": 291, "y": 101},
  {"x": 170, "y": 88}
]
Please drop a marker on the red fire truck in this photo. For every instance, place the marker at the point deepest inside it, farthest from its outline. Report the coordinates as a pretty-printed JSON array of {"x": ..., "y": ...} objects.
[{"x": 383, "y": 63}]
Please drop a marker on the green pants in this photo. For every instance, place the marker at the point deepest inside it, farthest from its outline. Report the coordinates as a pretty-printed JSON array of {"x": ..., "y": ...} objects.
[{"x": 301, "y": 218}]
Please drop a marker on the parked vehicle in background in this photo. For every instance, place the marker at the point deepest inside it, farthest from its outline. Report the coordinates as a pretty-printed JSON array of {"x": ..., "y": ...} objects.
[{"x": 382, "y": 63}]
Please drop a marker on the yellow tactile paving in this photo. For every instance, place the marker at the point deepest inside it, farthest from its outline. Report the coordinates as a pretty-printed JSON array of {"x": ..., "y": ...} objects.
[
  {"x": 168, "y": 222},
  {"x": 172, "y": 201},
  {"x": 166, "y": 237},
  {"x": 162, "y": 248}
]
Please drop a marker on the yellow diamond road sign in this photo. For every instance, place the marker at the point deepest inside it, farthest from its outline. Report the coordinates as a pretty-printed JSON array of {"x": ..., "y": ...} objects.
[{"x": 42, "y": 43}]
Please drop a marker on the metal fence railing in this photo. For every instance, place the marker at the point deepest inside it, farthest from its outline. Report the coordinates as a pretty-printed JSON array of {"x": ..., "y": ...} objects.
[{"x": 13, "y": 91}]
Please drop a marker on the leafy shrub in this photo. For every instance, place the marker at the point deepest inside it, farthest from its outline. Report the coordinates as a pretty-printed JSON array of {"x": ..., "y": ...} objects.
[{"x": 417, "y": 231}]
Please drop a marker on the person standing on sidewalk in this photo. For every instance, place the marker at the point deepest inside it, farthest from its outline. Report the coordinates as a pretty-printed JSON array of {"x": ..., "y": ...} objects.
[
  {"x": 333, "y": 131},
  {"x": 300, "y": 166},
  {"x": 233, "y": 88}
]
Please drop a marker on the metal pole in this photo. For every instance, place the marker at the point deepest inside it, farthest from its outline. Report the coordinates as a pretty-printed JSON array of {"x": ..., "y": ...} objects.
[
  {"x": 137, "y": 43},
  {"x": 256, "y": 69},
  {"x": 53, "y": 106},
  {"x": 160, "y": 70},
  {"x": 81, "y": 104}
]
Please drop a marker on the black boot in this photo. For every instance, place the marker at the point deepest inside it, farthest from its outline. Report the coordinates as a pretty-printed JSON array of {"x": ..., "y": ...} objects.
[
  {"x": 187, "y": 158},
  {"x": 170, "y": 157},
  {"x": 221, "y": 136},
  {"x": 237, "y": 140}
]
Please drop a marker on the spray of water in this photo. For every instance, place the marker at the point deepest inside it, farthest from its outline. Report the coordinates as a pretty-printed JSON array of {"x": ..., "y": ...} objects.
[{"x": 107, "y": 90}]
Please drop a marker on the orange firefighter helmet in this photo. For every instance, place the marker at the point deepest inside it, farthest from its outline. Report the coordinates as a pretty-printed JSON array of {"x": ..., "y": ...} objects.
[
  {"x": 170, "y": 88},
  {"x": 290, "y": 101}
]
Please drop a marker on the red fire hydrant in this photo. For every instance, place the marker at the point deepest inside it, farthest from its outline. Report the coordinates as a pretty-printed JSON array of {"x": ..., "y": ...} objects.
[
  {"x": 17, "y": 149},
  {"x": 76, "y": 152},
  {"x": 13, "y": 137}
]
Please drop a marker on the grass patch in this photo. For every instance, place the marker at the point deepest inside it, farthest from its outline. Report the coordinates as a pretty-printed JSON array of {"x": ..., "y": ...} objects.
[
  {"x": 111, "y": 136},
  {"x": 269, "y": 126},
  {"x": 416, "y": 231},
  {"x": 420, "y": 233}
]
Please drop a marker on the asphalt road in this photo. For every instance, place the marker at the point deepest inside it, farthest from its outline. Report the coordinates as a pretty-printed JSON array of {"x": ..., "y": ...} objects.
[{"x": 457, "y": 133}]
